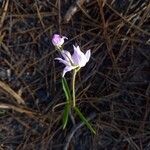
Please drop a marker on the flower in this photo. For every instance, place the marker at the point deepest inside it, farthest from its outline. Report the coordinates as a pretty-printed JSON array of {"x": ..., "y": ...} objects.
[
  {"x": 58, "y": 40},
  {"x": 77, "y": 60}
]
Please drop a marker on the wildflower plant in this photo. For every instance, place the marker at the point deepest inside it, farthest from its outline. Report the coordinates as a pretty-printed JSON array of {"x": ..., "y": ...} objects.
[{"x": 73, "y": 63}]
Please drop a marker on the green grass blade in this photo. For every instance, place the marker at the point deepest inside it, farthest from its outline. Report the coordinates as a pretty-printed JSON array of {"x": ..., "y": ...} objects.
[
  {"x": 68, "y": 101},
  {"x": 66, "y": 90},
  {"x": 84, "y": 120},
  {"x": 65, "y": 115}
]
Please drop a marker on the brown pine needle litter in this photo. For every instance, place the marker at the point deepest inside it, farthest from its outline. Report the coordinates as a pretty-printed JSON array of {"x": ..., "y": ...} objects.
[
  {"x": 15, "y": 108},
  {"x": 11, "y": 92},
  {"x": 114, "y": 85}
]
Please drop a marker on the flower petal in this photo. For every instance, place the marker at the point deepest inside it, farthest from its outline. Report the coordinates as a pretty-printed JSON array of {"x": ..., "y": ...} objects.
[
  {"x": 78, "y": 50},
  {"x": 79, "y": 57},
  {"x": 67, "y": 56},
  {"x": 63, "y": 61},
  {"x": 88, "y": 55},
  {"x": 67, "y": 68}
]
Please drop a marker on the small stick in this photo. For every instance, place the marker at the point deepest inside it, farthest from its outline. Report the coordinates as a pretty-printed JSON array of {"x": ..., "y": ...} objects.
[{"x": 72, "y": 10}]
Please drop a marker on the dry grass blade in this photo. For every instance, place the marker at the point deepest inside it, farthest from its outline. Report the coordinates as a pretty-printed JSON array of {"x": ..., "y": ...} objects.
[
  {"x": 21, "y": 110},
  {"x": 128, "y": 22},
  {"x": 4, "y": 14},
  {"x": 39, "y": 16},
  {"x": 16, "y": 96}
]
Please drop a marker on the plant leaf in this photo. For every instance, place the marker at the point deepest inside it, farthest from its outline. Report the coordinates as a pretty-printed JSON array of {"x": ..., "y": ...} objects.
[
  {"x": 66, "y": 90},
  {"x": 84, "y": 120},
  {"x": 68, "y": 101},
  {"x": 65, "y": 115}
]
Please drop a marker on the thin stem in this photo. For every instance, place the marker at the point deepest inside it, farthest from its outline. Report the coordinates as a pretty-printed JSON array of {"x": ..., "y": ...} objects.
[{"x": 73, "y": 87}]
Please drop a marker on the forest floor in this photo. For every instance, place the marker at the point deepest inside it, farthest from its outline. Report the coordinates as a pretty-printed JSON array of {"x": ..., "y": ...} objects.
[{"x": 114, "y": 86}]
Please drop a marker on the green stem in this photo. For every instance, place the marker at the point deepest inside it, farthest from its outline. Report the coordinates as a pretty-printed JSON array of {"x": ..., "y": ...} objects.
[{"x": 73, "y": 87}]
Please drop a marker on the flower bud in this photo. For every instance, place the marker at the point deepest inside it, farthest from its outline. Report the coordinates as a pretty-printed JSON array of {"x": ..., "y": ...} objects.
[{"x": 58, "y": 40}]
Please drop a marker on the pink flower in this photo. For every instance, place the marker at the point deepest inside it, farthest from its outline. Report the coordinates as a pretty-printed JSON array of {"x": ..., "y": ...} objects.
[
  {"x": 58, "y": 40},
  {"x": 77, "y": 60}
]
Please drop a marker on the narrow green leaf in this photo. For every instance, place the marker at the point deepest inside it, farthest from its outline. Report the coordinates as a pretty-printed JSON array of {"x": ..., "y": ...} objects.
[
  {"x": 84, "y": 120},
  {"x": 68, "y": 101},
  {"x": 65, "y": 115},
  {"x": 66, "y": 90}
]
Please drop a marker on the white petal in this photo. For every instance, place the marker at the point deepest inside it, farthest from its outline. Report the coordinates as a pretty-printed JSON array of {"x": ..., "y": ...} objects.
[
  {"x": 66, "y": 55},
  {"x": 67, "y": 68},
  {"x": 77, "y": 50},
  {"x": 63, "y": 61},
  {"x": 78, "y": 57},
  {"x": 83, "y": 62},
  {"x": 88, "y": 55}
]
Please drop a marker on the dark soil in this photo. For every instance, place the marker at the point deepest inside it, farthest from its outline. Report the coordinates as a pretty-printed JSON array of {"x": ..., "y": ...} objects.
[{"x": 114, "y": 86}]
